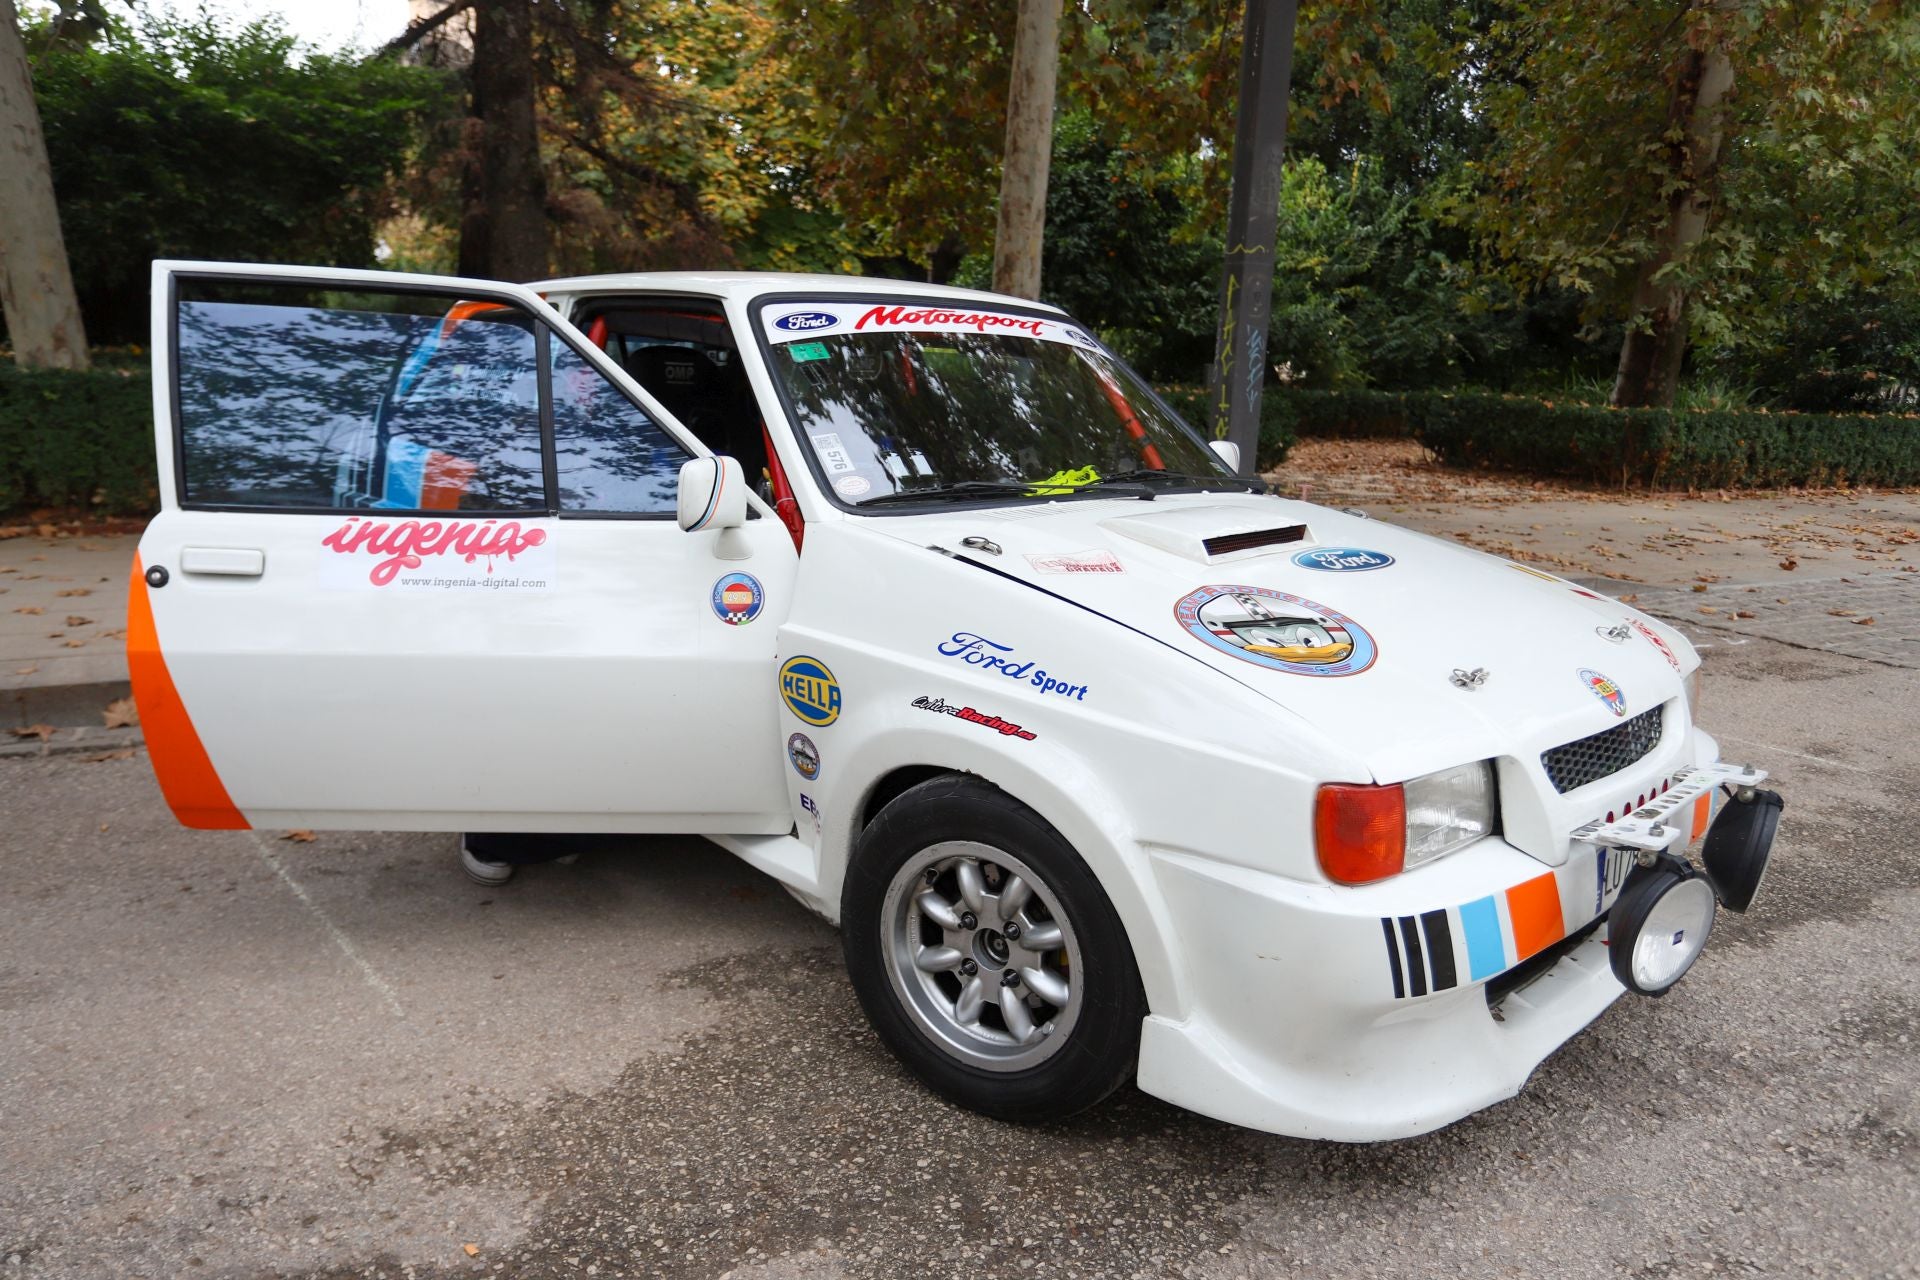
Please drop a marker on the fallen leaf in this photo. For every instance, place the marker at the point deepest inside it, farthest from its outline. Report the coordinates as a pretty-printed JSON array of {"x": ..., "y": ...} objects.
[
  {"x": 1707, "y": 608},
  {"x": 1781, "y": 600},
  {"x": 30, "y": 609},
  {"x": 121, "y": 713},
  {"x": 124, "y": 753},
  {"x": 1629, "y": 599},
  {"x": 74, "y": 644},
  {"x": 1843, "y": 613},
  {"x": 1701, "y": 587},
  {"x": 26, "y": 670},
  {"x": 1789, "y": 563},
  {"x": 1863, "y": 622},
  {"x": 75, "y": 620},
  {"x": 76, "y": 591},
  {"x": 103, "y": 826},
  {"x": 473, "y": 1250},
  {"x": 1742, "y": 613},
  {"x": 40, "y": 731},
  {"x": 300, "y": 837}
]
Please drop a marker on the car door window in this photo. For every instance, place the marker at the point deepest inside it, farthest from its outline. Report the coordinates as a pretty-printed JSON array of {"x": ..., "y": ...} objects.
[
  {"x": 610, "y": 456},
  {"x": 292, "y": 396}
]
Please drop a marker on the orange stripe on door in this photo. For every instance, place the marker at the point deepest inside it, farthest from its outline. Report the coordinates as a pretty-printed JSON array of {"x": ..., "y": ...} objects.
[
  {"x": 1534, "y": 907},
  {"x": 187, "y": 777}
]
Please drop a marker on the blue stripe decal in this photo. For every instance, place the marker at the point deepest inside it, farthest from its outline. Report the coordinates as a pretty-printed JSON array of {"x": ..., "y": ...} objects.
[{"x": 1486, "y": 954}]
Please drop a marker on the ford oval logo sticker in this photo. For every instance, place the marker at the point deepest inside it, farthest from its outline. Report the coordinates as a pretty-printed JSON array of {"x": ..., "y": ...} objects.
[
  {"x": 1342, "y": 559},
  {"x": 805, "y": 322}
]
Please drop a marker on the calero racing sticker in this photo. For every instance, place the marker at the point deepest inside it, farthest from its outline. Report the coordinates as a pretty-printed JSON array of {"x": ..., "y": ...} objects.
[
  {"x": 1005, "y": 728},
  {"x": 1274, "y": 629},
  {"x": 808, "y": 688},
  {"x": 737, "y": 599},
  {"x": 1605, "y": 690},
  {"x": 436, "y": 555}
]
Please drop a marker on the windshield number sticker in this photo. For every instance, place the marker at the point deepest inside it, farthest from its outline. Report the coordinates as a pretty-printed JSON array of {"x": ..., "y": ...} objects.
[
  {"x": 805, "y": 351},
  {"x": 832, "y": 454}
]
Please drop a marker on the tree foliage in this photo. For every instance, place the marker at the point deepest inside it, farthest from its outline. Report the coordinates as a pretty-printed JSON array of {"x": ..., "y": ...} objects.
[{"x": 181, "y": 139}]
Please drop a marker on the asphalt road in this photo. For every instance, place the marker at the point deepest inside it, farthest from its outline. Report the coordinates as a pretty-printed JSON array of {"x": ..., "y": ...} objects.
[{"x": 233, "y": 1054}]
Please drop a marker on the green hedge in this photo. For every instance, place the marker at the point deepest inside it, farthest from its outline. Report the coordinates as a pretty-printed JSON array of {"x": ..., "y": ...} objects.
[
  {"x": 1659, "y": 448},
  {"x": 80, "y": 440}
]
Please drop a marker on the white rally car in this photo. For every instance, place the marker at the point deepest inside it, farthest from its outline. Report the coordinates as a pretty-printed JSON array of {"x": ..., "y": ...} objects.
[{"x": 1110, "y": 764}]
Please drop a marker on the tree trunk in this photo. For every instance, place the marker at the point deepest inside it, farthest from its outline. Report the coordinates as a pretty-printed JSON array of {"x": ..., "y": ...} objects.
[
  {"x": 36, "y": 284},
  {"x": 503, "y": 230},
  {"x": 1020, "y": 232},
  {"x": 1656, "y": 340}
]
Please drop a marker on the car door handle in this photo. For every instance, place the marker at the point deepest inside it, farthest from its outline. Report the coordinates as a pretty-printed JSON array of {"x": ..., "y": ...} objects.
[{"x": 233, "y": 562}]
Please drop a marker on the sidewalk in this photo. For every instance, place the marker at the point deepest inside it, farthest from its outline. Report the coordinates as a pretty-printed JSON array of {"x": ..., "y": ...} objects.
[{"x": 63, "y": 619}]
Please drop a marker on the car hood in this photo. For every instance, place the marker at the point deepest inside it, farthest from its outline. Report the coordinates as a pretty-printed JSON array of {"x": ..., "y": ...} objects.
[{"x": 1356, "y": 626}]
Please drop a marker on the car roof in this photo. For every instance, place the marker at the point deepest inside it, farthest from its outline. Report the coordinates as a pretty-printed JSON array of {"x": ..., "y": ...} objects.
[{"x": 745, "y": 285}]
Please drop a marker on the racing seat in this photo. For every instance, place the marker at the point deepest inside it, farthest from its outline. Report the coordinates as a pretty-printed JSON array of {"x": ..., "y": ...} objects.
[{"x": 715, "y": 402}]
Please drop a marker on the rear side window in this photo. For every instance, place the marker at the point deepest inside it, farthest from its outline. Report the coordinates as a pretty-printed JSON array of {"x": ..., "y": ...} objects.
[{"x": 293, "y": 396}]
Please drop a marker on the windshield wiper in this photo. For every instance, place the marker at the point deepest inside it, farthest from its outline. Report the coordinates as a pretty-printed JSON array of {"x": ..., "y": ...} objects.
[
  {"x": 962, "y": 489},
  {"x": 1140, "y": 475}
]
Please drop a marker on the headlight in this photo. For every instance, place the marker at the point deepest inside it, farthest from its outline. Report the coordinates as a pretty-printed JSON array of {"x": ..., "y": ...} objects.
[
  {"x": 1363, "y": 833},
  {"x": 1449, "y": 810},
  {"x": 1692, "y": 686}
]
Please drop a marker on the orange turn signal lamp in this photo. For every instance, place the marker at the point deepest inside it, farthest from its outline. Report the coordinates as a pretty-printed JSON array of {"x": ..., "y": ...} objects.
[{"x": 1360, "y": 831}]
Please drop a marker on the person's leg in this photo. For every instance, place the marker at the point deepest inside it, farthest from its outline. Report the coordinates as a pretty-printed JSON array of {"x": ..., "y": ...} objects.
[{"x": 489, "y": 857}]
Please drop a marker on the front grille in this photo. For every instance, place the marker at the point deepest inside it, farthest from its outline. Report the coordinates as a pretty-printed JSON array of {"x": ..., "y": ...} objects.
[
  {"x": 1604, "y": 754},
  {"x": 1227, "y": 542}
]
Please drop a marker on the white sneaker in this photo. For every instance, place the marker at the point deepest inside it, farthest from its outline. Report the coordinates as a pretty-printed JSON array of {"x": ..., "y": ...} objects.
[{"x": 481, "y": 872}]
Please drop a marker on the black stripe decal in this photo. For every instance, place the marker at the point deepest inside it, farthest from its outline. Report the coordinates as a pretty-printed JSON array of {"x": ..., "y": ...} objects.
[
  {"x": 1393, "y": 958},
  {"x": 1416, "y": 967},
  {"x": 1439, "y": 948}
]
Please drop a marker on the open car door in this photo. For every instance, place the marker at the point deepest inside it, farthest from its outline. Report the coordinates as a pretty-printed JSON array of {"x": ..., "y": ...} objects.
[{"x": 417, "y": 567}]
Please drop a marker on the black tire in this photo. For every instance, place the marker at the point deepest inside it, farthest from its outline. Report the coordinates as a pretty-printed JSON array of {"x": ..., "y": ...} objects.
[{"x": 1102, "y": 1046}]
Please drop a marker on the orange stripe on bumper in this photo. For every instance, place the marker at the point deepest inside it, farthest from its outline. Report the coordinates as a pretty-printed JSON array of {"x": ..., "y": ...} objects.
[
  {"x": 1534, "y": 907},
  {"x": 187, "y": 777}
]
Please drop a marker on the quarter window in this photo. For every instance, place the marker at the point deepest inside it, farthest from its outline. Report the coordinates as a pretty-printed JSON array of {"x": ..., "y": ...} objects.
[{"x": 610, "y": 456}]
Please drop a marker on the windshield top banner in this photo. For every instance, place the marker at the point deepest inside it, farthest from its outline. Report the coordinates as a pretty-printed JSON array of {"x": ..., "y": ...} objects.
[{"x": 799, "y": 321}]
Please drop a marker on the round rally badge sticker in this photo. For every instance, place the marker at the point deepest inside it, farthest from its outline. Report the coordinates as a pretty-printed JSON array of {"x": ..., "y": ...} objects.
[
  {"x": 737, "y": 599},
  {"x": 1605, "y": 690},
  {"x": 804, "y": 756},
  {"x": 852, "y": 486},
  {"x": 808, "y": 688},
  {"x": 1277, "y": 630}
]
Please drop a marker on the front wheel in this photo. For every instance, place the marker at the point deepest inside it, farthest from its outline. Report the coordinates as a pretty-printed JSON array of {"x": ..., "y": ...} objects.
[{"x": 987, "y": 956}]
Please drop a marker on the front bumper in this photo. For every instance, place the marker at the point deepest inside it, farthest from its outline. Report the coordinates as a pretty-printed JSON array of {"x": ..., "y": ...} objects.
[{"x": 1362, "y": 1014}]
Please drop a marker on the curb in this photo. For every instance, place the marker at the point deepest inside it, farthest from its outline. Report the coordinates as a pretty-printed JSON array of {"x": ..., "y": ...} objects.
[
  {"x": 104, "y": 744},
  {"x": 68, "y": 704}
]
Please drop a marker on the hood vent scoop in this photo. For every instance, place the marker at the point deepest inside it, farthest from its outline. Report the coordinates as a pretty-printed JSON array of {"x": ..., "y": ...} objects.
[{"x": 1228, "y": 543}]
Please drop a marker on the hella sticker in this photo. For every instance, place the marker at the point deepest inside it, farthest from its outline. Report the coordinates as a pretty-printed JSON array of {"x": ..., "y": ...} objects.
[
  {"x": 1605, "y": 690},
  {"x": 1342, "y": 559},
  {"x": 1275, "y": 630},
  {"x": 805, "y": 322},
  {"x": 808, "y": 688}
]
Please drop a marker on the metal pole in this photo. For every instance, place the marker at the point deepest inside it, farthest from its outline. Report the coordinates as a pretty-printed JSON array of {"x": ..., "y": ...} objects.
[{"x": 1259, "y": 146}]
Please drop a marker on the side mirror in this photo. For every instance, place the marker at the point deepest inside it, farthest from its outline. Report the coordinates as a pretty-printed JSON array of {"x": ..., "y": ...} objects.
[
  {"x": 713, "y": 495},
  {"x": 1228, "y": 452}
]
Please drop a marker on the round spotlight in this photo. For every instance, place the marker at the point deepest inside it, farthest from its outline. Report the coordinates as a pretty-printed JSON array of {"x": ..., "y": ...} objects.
[
  {"x": 1739, "y": 844},
  {"x": 1659, "y": 926}
]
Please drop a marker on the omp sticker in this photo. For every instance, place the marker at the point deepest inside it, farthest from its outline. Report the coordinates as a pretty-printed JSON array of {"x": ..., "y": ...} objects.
[{"x": 437, "y": 555}]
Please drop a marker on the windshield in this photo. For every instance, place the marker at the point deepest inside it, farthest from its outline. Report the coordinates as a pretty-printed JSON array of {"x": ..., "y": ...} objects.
[{"x": 967, "y": 402}]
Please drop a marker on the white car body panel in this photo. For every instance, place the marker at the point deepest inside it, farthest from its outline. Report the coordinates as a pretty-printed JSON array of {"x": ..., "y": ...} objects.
[{"x": 1183, "y": 774}]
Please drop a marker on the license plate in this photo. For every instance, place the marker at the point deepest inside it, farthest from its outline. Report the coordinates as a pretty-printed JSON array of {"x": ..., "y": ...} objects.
[{"x": 1613, "y": 866}]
